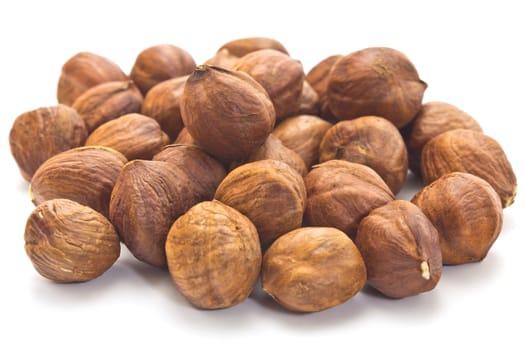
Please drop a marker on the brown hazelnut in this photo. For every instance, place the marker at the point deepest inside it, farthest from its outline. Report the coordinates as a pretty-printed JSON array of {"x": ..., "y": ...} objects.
[
  {"x": 134, "y": 135},
  {"x": 309, "y": 101},
  {"x": 471, "y": 152},
  {"x": 227, "y": 113},
  {"x": 214, "y": 256},
  {"x": 42, "y": 133},
  {"x": 375, "y": 81},
  {"x": 159, "y": 63},
  {"x": 270, "y": 193},
  {"x": 280, "y": 75},
  {"x": 312, "y": 269},
  {"x": 371, "y": 141},
  {"x": 303, "y": 134},
  {"x": 434, "y": 118},
  {"x": 341, "y": 194},
  {"x": 162, "y": 103},
  {"x": 318, "y": 79},
  {"x": 184, "y": 138},
  {"x": 69, "y": 242},
  {"x": 243, "y": 46},
  {"x": 107, "y": 101},
  {"x": 223, "y": 59},
  {"x": 400, "y": 247},
  {"x": 467, "y": 214},
  {"x": 83, "y": 71},
  {"x": 84, "y": 174}
]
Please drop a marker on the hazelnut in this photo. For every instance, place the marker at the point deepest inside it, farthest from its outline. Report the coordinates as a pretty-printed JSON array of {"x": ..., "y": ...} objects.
[
  {"x": 134, "y": 135},
  {"x": 270, "y": 193},
  {"x": 83, "y": 71},
  {"x": 107, "y": 101},
  {"x": 223, "y": 59},
  {"x": 318, "y": 79},
  {"x": 312, "y": 269},
  {"x": 213, "y": 255},
  {"x": 400, "y": 247},
  {"x": 341, "y": 194},
  {"x": 185, "y": 138},
  {"x": 227, "y": 113},
  {"x": 303, "y": 134},
  {"x": 69, "y": 242},
  {"x": 375, "y": 81},
  {"x": 162, "y": 103},
  {"x": 371, "y": 141},
  {"x": 42, "y": 133},
  {"x": 309, "y": 101},
  {"x": 467, "y": 214},
  {"x": 471, "y": 152},
  {"x": 434, "y": 118},
  {"x": 280, "y": 75},
  {"x": 83, "y": 174},
  {"x": 243, "y": 46}
]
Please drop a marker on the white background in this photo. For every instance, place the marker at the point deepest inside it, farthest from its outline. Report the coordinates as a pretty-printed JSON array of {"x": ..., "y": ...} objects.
[{"x": 469, "y": 53}]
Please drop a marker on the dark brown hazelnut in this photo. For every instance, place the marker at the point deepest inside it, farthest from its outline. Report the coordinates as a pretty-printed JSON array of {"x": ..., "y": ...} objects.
[
  {"x": 159, "y": 63},
  {"x": 467, "y": 214},
  {"x": 312, "y": 269},
  {"x": 243, "y": 46},
  {"x": 42, "y": 133},
  {"x": 375, "y": 81},
  {"x": 69, "y": 242},
  {"x": 83, "y": 71},
  {"x": 318, "y": 79},
  {"x": 371, "y": 141},
  {"x": 214, "y": 256},
  {"x": 471, "y": 152},
  {"x": 341, "y": 194},
  {"x": 400, "y": 247}
]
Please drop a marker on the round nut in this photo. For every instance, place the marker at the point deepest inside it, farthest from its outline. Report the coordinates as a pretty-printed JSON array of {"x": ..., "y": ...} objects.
[
  {"x": 42, "y": 133},
  {"x": 69, "y": 242},
  {"x": 467, "y": 214},
  {"x": 184, "y": 138},
  {"x": 243, "y": 46},
  {"x": 318, "y": 79},
  {"x": 223, "y": 59},
  {"x": 312, "y": 269},
  {"x": 309, "y": 101},
  {"x": 214, "y": 256}
]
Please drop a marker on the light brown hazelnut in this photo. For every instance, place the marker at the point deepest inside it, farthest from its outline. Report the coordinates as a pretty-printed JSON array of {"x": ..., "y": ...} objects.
[
  {"x": 471, "y": 152},
  {"x": 134, "y": 135},
  {"x": 309, "y": 101},
  {"x": 375, "y": 81},
  {"x": 107, "y": 101},
  {"x": 39, "y": 134},
  {"x": 69, "y": 242},
  {"x": 185, "y": 138},
  {"x": 214, "y": 256},
  {"x": 312, "y": 269},
  {"x": 400, "y": 247},
  {"x": 340, "y": 194},
  {"x": 318, "y": 79},
  {"x": 83, "y": 71},
  {"x": 243, "y": 46},
  {"x": 223, "y": 59},
  {"x": 371, "y": 141}
]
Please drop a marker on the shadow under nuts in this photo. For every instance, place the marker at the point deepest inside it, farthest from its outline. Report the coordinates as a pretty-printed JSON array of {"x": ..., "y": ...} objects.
[
  {"x": 69, "y": 242},
  {"x": 214, "y": 256},
  {"x": 312, "y": 269},
  {"x": 467, "y": 214},
  {"x": 400, "y": 247}
]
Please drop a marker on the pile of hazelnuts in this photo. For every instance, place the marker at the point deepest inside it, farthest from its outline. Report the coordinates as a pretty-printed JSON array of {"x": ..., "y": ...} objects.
[{"x": 245, "y": 167}]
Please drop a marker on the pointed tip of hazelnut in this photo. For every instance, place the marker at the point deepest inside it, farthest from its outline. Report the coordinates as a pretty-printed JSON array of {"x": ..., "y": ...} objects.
[{"x": 425, "y": 270}]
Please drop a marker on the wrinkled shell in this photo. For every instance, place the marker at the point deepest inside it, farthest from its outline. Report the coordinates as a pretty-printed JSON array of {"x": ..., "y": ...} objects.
[
  {"x": 162, "y": 103},
  {"x": 467, "y": 214},
  {"x": 318, "y": 79},
  {"x": 341, "y": 194},
  {"x": 280, "y": 75},
  {"x": 159, "y": 63},
  {"x": 134, "y": 135},
  {"x": 108, "y": 101},
  {"x": 375, "y": 81},
  {"x": 69, "y": 242},
  {"x": 433, "y": 119},
  {"x": 309, "y": 101},
  {"x": 303, "y": 134},
  {"x": 371, "y": 141},
  {"x": 223, "y": 59},
  {"x": 270, "y": 193},
  {"x": 85, "y": 175},
  {"x": 42, "y": 133},
  {"x": 227, "y": 113},
  {"x": 312, "y": 269},
  {"x": 214, "y": 256},
  {"x": 84, "y": 71},
  {"x": 400, "y": 247},
  {"x": 243, "y": 46},
  {"x": 185, "y": 138},
  {"x": 470, "y": 152}
]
